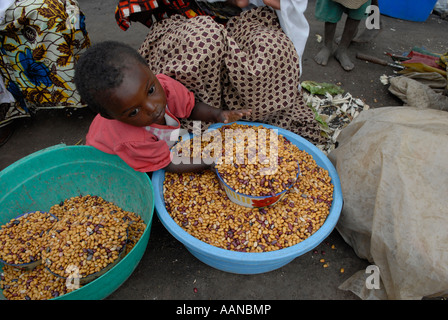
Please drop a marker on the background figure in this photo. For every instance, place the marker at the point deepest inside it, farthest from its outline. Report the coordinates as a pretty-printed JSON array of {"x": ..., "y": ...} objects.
[
  {"x": 330, "y": 11},
  {"x": 242, "y": 60},
  {"x": 40, "y": 42}
]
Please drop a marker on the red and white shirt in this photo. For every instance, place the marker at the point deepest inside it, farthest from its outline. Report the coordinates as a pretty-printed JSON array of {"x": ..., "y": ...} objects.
[{"x": 145, "y": 149}]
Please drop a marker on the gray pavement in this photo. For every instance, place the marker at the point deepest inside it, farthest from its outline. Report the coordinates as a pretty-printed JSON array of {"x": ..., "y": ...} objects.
[{"x": 167, "y": 270}]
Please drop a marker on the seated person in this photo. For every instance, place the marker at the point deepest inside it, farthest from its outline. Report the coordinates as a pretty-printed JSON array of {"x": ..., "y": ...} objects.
[
  {"x": 238, "y": 60},
  {"x": 138, "y": 112}
]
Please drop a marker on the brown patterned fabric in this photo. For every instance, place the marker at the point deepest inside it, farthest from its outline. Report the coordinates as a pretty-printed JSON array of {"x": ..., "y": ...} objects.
[{"x": 249, "y": 63}]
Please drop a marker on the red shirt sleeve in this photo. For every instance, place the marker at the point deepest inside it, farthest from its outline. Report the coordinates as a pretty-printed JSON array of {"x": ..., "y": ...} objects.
[
  {"x": 145, "y": 157},
  {"x": 136, "y": 146},
  {"x": 180, "y": 100}
]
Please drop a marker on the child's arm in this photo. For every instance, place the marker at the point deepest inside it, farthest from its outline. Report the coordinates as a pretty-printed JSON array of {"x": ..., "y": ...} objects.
[
  {"x": 188, "y": 167},
  {"x": 204, "y": 112},
  {"x": 180, "y": 164}
]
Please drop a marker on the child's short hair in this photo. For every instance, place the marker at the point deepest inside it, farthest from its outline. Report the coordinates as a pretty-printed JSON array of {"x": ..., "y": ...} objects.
[{"x": 101, "y": 68}]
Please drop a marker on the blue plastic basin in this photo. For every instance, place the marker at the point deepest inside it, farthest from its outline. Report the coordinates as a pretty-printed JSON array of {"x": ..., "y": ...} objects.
[
  {"x": 49, "y": 176},
  {"x": 253, "y": 262},
  {"x": 416, "y": 10}
]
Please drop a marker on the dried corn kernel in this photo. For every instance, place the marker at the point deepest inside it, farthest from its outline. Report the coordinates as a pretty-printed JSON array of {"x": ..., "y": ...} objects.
[
  {"x": 89, "y": 235},
  {"x": 199, "y": 205},
  {"x": 36, "y": 284},
  {"x": 21, "y": 238}
]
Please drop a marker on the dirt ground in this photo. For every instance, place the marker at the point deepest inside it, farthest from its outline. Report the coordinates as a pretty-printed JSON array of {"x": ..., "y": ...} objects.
[{"x": 168, "y": 270}]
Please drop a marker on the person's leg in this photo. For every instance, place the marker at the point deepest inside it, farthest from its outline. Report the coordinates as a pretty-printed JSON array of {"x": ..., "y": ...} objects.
[
  {"x": 263, "y": 73},
  {"x": 191, "y": 51},
  {"x": 330, "y": 13},
  {"x": 324, "y": 54},
  {"x": 354, "y": 17},
  {"x": 350, "y": 29}
]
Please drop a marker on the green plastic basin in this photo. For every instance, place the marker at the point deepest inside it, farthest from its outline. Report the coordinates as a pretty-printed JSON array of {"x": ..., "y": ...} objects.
[{"x": 49, "y": 176}]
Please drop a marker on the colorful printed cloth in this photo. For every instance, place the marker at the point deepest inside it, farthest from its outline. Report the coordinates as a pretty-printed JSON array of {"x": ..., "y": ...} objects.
[
  {"x": 157, "y": 10},
  {"x": 40, "y": 41}
]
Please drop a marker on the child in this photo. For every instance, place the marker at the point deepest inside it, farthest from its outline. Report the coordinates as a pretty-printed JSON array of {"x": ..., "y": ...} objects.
[
  {"x": 137, "y": 110},
  {"x": 330, "y": 11}
]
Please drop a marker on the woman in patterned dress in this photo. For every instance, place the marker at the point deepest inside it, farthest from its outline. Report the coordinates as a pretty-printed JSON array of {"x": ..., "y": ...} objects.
[
  {"x": 239, "y": 59},
  {"x": 40, "y": 42}
]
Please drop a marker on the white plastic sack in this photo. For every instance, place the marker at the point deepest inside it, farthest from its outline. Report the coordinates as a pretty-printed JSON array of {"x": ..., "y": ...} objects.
[
  {"x": 4, "y": 5},
  {"x": 393, "y": 166},
  {"x": 417, "y": 94},
  {"x": 441, "y": 6}
]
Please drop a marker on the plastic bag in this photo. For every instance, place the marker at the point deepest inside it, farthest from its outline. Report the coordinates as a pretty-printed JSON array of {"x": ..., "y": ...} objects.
[
  {"x": 413, "y": 92},
  {"x": 441, "y": 7},
  {"x": 392, "y": 163}
]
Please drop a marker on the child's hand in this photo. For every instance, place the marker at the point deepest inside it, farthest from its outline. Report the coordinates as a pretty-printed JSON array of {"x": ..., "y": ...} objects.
[
  {"x": 227, "y": 116},
  {"x": 204, "y": 112}
]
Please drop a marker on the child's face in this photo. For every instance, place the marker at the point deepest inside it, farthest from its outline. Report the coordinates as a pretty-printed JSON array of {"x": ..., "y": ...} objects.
[{"x": 140, "y": 100}]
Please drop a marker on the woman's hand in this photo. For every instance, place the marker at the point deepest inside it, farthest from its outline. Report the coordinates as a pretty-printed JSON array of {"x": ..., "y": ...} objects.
[
  {"x": 227, "y": 116},
  {"x": 238, "y": 3},
  {"x": 275, "y": 4}
]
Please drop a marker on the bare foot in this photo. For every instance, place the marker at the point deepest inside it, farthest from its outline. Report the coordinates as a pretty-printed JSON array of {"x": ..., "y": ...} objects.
[
  {"x": 323, "y": 56},
  {"x": 364, "y": 35},
  {"x": 344, "y": 60}
]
